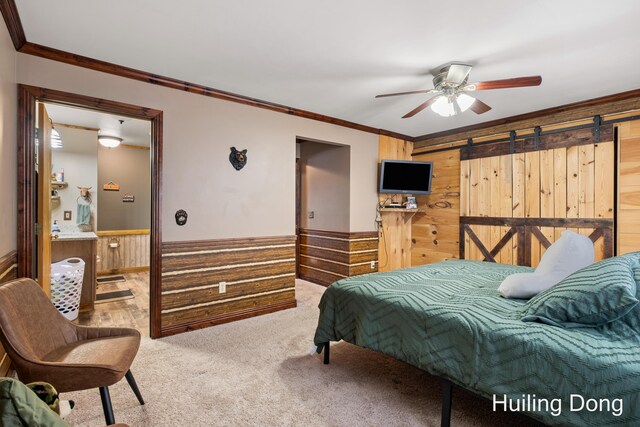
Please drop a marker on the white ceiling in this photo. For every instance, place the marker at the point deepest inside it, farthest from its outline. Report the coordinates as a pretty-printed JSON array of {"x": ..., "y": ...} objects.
[
  {"x": 132, "y": 131},
  {"x": 333, "y": 57}
]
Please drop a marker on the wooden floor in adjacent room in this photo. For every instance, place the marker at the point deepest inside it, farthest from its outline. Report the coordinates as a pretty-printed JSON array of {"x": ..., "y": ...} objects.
[{"x": 131, "y": 312}]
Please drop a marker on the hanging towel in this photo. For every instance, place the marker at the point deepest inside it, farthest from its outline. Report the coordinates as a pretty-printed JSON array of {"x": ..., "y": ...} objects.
[{"x": 83, "y": 217}]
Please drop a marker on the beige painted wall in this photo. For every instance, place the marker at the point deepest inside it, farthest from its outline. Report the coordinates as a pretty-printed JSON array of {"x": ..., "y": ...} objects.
[
  {"x": 79, "y": 159},
  {"x": 131, "y": 169},
  {"x": 8, "y": 155},
  {"x": 221, "y": 202},
  {"x": 325, "y": 186}
]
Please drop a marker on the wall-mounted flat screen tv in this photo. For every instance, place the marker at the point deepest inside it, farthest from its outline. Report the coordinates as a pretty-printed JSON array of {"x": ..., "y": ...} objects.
[{"x": 405, "y": 177}]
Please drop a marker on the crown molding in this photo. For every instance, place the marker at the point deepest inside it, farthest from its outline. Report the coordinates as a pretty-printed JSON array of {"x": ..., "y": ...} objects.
[
  {"x": 14, "y": 25},
  {"x": 616, "y": 103},
  {"x": 144, "y": 76}
]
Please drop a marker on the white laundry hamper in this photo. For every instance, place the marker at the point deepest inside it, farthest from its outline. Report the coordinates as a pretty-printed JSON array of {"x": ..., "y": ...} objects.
[{"x": 66, "y": 286}]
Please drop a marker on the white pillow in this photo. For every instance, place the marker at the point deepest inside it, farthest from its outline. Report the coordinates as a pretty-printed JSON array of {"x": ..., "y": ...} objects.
[
  {"x": 527, "y": 285},
  {"x": 570, "y": 253}
]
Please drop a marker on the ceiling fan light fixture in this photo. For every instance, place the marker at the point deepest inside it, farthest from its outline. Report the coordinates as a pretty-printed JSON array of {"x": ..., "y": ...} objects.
[
  {"x": 464, "y": 101},
  {"x": 443, "y": 106},
  {"x": 109, "y": 141}
]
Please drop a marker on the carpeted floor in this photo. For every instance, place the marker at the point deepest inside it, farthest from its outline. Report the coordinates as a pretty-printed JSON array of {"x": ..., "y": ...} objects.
[{"x": 259, "y": 372}]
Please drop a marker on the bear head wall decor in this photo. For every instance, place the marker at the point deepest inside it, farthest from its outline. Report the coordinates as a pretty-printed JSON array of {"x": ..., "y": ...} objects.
[
  {"x": 181, "y": 217},
  {"x": 238, "y": 158}
]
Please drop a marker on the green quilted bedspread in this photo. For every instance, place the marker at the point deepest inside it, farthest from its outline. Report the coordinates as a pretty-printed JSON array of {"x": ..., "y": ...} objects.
[{"x": 449, "y": 320}]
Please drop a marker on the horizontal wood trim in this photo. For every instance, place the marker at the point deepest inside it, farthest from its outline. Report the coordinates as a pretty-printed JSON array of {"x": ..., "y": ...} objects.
[
  {"x": 178, "y": 248},
  {"x": 230, "y": 309},
  {"x": 227, "y": 317},
  {"x": 103, "y": 105},
  {"x": 538, "y": 222},
  {"x": 168, "y": 82},
  {"x": 210, "y": 293},
  {"x": 357, "y": 270},
  {"x": 327, "y": 256},
  {"x": 340, "y": 235},
  {"x": 318, "y": 252},
  {"x": 565, "y": 139},
  {"x": 320, "y": 277},
  {"x": 325, "y": 243},
  {"x": 326, "y": 265},
  {"x": 123, "y": 232},
  {"x": 610, "y": 104},
  {"x": 195, "y": 261},
  {"x": 364, "y": 245},
  {"x": 9, "y": 267},
  {"x": 256, "y": 271},
  {"x": 14, "y": 25},
  {"x": 230, "y": 274},
  {"x": 360, "y": 257}
]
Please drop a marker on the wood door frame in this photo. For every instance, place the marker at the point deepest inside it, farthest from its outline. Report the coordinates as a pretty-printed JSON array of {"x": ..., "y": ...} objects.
[
  {"x": 298, "y": 212},
  {"x": 27, "y": 98}
]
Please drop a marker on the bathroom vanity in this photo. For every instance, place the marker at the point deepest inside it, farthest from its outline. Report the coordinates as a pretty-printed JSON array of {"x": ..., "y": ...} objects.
[{"x": 81, "y": 245}]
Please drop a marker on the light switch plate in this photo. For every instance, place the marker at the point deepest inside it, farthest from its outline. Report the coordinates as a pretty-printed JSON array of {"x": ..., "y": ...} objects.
[
  {"x": 67, "y": 215},
  {"x": 222, "y": 287},
  {"x": 311, "y": 214}
]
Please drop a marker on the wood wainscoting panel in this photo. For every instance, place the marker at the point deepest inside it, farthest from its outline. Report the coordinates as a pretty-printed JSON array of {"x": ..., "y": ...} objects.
[
  {"x": 259, "y": 275},
  {"x": 394, "y": 243},
  {"x": 628, "y": 187},
  {"x": 8, "y": 272},
  {"x": 327, "y": 256},
  {"x": 131, "y": 254},
  {"x": 435, "y": 231}
]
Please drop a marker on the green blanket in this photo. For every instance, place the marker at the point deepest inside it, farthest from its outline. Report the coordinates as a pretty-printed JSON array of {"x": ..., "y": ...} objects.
[{"x": 449, "y": 320}]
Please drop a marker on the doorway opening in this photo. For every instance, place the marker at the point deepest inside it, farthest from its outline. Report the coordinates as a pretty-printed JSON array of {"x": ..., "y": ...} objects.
[
  {"x": 85, "y": 198},
  {"x": 322, "y": 210}
]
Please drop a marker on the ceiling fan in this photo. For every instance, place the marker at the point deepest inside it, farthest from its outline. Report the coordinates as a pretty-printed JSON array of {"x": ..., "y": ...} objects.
[{"x": 452, "y": 89}]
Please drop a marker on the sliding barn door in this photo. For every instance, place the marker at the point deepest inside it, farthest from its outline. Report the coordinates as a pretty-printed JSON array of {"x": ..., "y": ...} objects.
[{"x": 514, "y": 206}]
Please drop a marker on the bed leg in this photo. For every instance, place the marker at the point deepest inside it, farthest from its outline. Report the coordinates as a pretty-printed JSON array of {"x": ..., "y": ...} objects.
[
  {"x": 445, "y": 420},
  {"x": 327, "y": 352}
]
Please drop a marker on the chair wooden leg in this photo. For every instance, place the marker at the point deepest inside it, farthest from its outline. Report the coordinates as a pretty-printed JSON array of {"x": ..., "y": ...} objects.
[
  {"x": 106, "y": 406},
  {"x": 134, "y": 386}
]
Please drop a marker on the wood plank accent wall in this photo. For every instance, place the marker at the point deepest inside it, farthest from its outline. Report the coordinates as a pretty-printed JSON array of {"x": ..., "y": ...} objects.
[
  {"x": 132, "y": 254},
  {"x": 394, "y": 240},
  {"x": 327, "y": 256},
  {"x": 8, "y": 272},
  {"x": 259, "y": 274},
  {"x": 435, "y": 231},
  {"x": 573, "y": 181},
  {"x": 629, "y": 187}
]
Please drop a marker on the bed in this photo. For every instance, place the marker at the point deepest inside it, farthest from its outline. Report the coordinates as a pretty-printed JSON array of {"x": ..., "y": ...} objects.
[{"x": 448, "y": 319}]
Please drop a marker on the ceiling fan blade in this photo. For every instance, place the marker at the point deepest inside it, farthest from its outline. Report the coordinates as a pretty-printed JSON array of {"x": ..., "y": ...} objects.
[
  {"x": 407, "y": 93},
  {"x": 420, "y": 107},
  {"x": 457, "y": 73},
  {"x": 479, "y": 107},
  {"x": 506, "y": 83}
]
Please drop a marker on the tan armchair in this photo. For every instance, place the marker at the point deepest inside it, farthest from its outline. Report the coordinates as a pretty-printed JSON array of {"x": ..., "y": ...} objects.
[{"x": 44, "y": 346}]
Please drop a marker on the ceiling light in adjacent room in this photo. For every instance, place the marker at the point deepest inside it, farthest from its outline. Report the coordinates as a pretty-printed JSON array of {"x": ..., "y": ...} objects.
[{"x": 109, "y": 141}]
